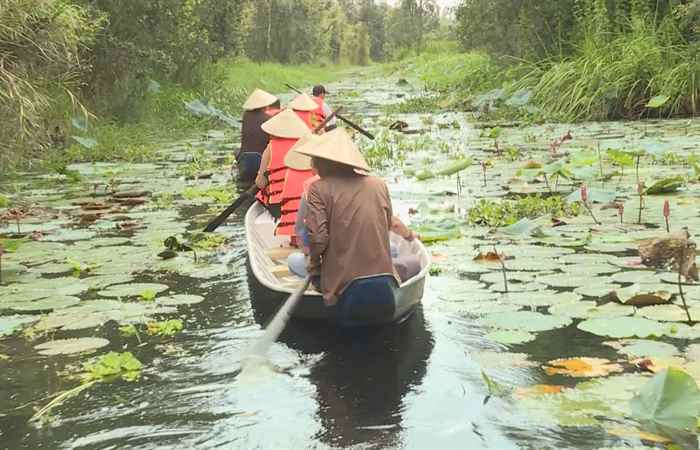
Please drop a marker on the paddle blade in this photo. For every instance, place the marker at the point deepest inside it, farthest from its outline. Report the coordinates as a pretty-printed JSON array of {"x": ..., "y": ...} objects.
[{"x": 218, "y": 220}]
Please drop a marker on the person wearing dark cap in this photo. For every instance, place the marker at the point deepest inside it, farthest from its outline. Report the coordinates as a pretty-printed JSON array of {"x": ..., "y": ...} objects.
[{"x": 318, "y": 93}]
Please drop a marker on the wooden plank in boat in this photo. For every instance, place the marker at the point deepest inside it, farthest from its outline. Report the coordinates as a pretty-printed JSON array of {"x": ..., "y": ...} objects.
[
  {"x": 280, "y": 252},
  {"x": 280, "y": 271}
]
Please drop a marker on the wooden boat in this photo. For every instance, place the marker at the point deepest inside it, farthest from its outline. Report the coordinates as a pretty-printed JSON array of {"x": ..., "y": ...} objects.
[{"x": 373, "y": 300}]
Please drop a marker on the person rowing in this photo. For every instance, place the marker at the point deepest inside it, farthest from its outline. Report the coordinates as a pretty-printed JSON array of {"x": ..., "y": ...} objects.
[
  {"x": 348, "y": 217},
  {"x": 285, "y": 129},
  {"x": 257, "y": 109},
  {"x": 318, "y": 95}
]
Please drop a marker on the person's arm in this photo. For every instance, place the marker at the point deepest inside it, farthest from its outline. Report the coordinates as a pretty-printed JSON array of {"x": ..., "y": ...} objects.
[
  {"x": 398, "y": 227},
  {"x": 261, "y": 179},
  {"x": 317, "y": 227},
  {"x": 300, "y": 226},
  {"x": 327, "y": 111}
]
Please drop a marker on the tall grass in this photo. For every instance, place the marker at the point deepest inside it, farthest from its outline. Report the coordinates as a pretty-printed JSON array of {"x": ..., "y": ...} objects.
[{"x": 614, "y": 74}]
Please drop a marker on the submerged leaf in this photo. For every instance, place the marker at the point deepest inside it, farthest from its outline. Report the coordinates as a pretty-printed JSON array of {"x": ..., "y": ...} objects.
[
  {"x": 582, "y": 367},
  {"x": 71, "y": 346}
]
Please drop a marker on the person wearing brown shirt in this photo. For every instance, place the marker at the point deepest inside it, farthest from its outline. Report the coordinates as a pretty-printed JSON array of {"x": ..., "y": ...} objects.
[{"x": 348, "y": 218}]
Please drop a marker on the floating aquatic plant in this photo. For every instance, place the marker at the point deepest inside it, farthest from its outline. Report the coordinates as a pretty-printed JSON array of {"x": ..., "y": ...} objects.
[
  {"x": 113, "y": 365},
  {"x": 165, "y": 328}
]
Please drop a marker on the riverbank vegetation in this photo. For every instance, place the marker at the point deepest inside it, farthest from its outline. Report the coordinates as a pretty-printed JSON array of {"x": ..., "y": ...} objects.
[
  {"x": 568, "y": 60},
  {"x": 106, "y": 80}
]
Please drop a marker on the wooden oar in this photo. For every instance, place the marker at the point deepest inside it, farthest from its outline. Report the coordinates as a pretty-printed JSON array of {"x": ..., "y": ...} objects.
[
  {"x": 278, "y": 323},
  {"x": 250, "y": 193},
  {"x": 343, "y": 118}
]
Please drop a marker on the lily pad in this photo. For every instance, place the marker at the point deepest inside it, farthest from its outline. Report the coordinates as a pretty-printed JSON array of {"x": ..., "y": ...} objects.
[
  {"x": 541, "y": 298},
  {"x": 71, "y": 346},
  {"x": 620, "y": 327},
  {"x": 568, "y": 280},
  {"x": 637, "y": 295},
  {"x": 636, "y": 276},
  {"x": 10, "y": 324},
  {"x": 589, "y": 310},
  {"x": 589, "y": 269},
  {"x": 510, "y": 336},
  {"x": 47, "y": 304},
  {"x": 597, "y": 290},
  {"x": 639, "y": 348},
  {"x": 669, "y": 313},
  {"x": 179, "y": 299},
  {"x": 131, "y": 289},
  {"x": 525, "y": 321}
]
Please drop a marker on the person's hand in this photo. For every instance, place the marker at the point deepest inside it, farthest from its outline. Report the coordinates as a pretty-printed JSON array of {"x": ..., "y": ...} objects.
[
  {"x": 411, "y": 235},
  {"x": 261, "y": 180}
]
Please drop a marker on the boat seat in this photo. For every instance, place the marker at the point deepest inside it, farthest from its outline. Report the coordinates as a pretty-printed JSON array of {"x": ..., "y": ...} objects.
[
  {"x": 367, "y": 300},
  {"x": 280, "y": 253}
]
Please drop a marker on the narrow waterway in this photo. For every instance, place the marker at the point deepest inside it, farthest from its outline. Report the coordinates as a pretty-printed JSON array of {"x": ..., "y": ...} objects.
[{"x": 417, "y": 385}]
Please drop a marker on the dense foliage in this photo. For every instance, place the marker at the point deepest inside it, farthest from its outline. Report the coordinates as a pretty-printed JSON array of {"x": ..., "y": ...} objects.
[
  {"x": 592, "y": 59},
  {"x": 65, "y": 58}
]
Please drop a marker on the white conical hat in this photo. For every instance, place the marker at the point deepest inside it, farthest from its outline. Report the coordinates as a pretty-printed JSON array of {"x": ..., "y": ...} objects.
[
  {"x": 336, "y": 145},
  {"x": 297, "y": 161},
  {"x": 286, "y": 124},
  {"x": 259, "y": 99},
  {"x": 303, "y": 102}
]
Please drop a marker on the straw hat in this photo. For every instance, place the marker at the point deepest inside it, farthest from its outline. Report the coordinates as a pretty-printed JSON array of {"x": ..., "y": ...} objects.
[
  {"x": 303, "y": 102},
  {"x": 336, "y": 145},
  {"x": 297, "y": 161},
  {"x": 259, "y": 99},
  {"x": 286, "y": 124}
]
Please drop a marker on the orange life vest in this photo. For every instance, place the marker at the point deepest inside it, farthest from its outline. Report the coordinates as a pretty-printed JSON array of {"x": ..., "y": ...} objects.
[
  {"x": 307, "y": 117},
  {"x": 318, "y": 112},
  {"x": 292, "y": 191},
  {"x": 276, "y": 171}
]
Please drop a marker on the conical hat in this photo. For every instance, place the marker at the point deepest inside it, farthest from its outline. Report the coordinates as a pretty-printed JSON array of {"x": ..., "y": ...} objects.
[
  {"x": 286, "y": 124},
  {"x": 297, "y": 161},
  {"x": 336, "y": 145},
  {"x": 303, "y": 102},
  {"x": 259, "y": 99}
]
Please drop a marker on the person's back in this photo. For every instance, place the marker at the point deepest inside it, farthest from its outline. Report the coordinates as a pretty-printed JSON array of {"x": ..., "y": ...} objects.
[
  {"x": 349, "y": 218},
  {"x": 253, "y": 138}
]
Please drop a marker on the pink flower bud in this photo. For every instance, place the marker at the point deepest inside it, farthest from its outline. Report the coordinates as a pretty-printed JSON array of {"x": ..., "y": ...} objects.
[
  {"x": 584, "y": 194},
  {"x": 621, "y": 208},
  {"x": 667, "y": 209}
]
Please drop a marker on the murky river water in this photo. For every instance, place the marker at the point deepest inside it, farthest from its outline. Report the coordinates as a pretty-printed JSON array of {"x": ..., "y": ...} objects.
[{"x": 417, "y": 385}]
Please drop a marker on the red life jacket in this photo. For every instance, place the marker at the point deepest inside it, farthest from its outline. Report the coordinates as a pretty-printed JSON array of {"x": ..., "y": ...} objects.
[
  {"x": 307, "y": 117},
  {"x": 276, "y": 171},
  {"x": 318, "y": 112},
  {"x": 291, "y": 198}
]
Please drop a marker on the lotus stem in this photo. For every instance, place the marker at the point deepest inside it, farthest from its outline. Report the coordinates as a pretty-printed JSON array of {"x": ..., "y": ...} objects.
[
  {"x": 556, "y": 183},
  {"x": 17, "y": 222},
  {"x": 637, "y": 167},
  {"x": 503, "y": 269},
  {"x": 483, "y": 171},
  {"x": 590, "y": 211},
  {"x": 58, "y": 400},
  {"x": 546, "y": 182},
  {"x": 641, "y": 205},
  {"x": 680, "y": 285},
  {"x": 600, "y": 163}
]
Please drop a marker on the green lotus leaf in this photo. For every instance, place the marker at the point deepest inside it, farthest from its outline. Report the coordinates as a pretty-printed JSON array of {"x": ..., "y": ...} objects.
[
  {"x": 568, "y": 280},
  {"x": 102, "y": 281},
  {"x": 179, "y": 299},
  {"x": 610, "y": 247},
  {"x": 65, "y": 234},
  {"x": 10, "y": 324},
  {"x": 541, "y": 298},
  {"x": 71, "y": 346},
  {"x": 665, "y": 186},
  {"x": 589, "y": 310},
  {"x": 643, "y": 295},
  {"x": 594, "y": 195},
  {"x": 525, "y": 264},
  {"x": 517, "y": 287},
  {"x": 588, "y": 258},
  {"x": 669, "y": 313},
  {"x": 525, "y": 321},
  {"x": 47, "y": 304},
  {"x": 589, "y": 269},
  {"x": 597, "y": 290},
  {"x": 671, "y": 399},
  {"x": 658, "y": 101},
  {"x": 131, "y": 289},
  {"x": 53, "y": 268},
  {"x": 510, "y": 336},
  {"x": 636, "y": 276},
  {"x": 639, "y": 348},
  {"x": 497, "y": 277},
  {"x": 620, "y": 327},
  {"x": 683, "y": 331}
]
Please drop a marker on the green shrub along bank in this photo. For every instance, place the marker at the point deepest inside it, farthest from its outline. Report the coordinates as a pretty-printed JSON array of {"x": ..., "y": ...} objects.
[
  {"x": 163, "y": 115},
  {"x": 566, "y": 60}
]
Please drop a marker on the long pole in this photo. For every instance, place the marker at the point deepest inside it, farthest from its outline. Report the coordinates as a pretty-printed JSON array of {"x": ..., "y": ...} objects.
[{"x": 343, "y": 118}]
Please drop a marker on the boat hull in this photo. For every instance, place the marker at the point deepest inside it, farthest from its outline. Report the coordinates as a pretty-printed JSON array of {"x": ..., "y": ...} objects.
[{"x": 367, "y": 301}]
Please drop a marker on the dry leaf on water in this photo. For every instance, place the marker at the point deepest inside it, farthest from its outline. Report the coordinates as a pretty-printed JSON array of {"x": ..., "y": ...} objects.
[
  {"x": 489, "y": 257},
  {"x": 537, "y": 390},
  {"x": 582, "y": 367}
]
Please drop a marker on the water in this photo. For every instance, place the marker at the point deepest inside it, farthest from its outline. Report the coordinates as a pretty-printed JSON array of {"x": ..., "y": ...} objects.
[{"x": 417, "y": 385}]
